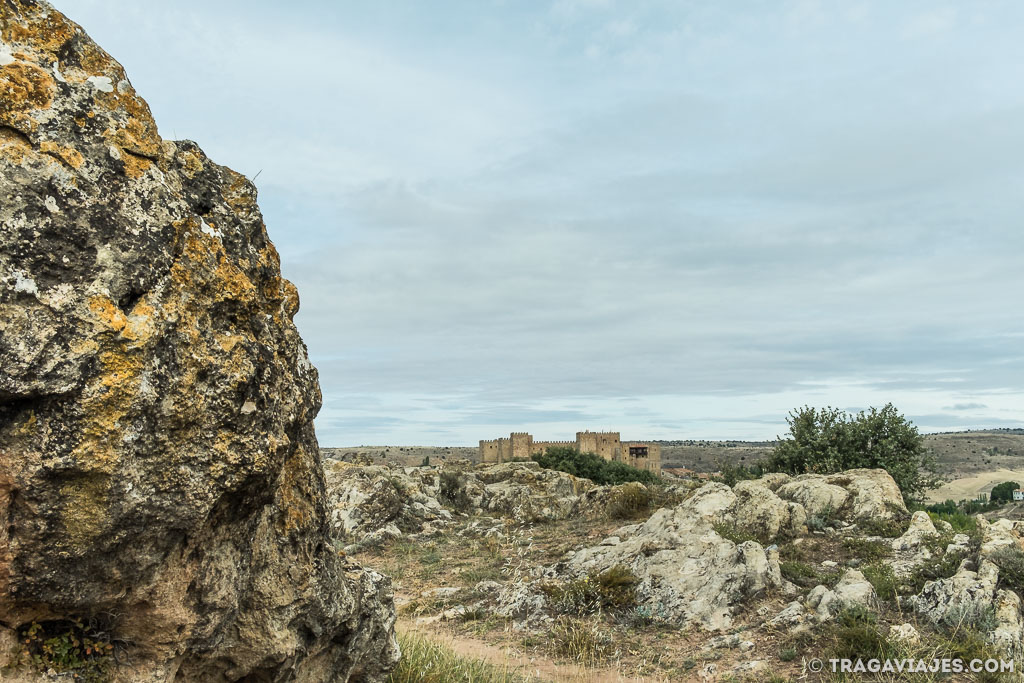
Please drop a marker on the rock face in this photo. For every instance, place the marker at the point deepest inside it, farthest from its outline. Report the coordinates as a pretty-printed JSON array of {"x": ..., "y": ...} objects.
[{"x": 157, "y": 456}]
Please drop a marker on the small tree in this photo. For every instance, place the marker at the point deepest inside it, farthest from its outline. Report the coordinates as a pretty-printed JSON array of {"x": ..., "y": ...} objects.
[
  {"x": 1003, "y": 492},
  {"x": 831, "y": 440}
]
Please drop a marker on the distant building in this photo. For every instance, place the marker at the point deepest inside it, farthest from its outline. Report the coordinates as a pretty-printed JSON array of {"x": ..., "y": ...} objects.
[
  {"x": 520, "y": 446},
  {"x": 1018, "y": 494}
]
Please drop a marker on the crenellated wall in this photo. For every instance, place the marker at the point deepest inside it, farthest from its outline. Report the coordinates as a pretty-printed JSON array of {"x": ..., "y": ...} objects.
[{"x": 520, "y": 446}]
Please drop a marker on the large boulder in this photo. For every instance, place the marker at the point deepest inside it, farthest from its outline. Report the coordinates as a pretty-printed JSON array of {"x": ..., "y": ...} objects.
[
  {"x": 158, "y": 465},
  {"x": 853, "y": 495}
]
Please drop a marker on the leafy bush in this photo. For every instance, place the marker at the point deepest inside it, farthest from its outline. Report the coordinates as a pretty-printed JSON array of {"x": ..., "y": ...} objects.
[
  {"x": 831, "y": 440},
  {"x": 629, "y": 502},
  {"x": 592, "y": 466},
  {"x": 731, "y": 474},
  {"x": 1003, "y": 492},
  {"x": 1010, "y": 561},
  {"x": 452, "y": 490}
]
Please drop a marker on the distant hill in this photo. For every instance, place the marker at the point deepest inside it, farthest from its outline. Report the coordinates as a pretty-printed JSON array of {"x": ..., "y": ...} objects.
[{"x": 958, "y": 454}]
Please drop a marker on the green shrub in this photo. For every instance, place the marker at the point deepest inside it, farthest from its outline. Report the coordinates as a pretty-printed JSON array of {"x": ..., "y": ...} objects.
[
  {"x": 1003, "y": 493},
  {"x": 731, "y": 474},
  {"x": 975, "y": 616},
  {"x": 452, "y": 490},
  {"x": 630, "y": 501},
  {"x": 73, "y": 648},
  {"x": 855, "y": 635},
  {"x": 942, "y": 568},
  {"x": 887, "y": 528},
  {"x": 592, "y": 466},
  {"x": 866, "y": 550},
  {"x": 803, "y": 574},
  {"x": 1010, "y": 561},
  {"x": 831, "y": 440}
]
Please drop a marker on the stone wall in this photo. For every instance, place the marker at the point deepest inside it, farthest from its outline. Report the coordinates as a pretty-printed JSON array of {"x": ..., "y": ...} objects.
[{"x": 520, "y": 445}]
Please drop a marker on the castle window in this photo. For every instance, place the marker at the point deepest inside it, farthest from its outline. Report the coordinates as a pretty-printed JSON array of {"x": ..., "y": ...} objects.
[{"x": 638, "y": 451}]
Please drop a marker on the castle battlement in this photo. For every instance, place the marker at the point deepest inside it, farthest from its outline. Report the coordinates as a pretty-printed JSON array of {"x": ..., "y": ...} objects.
[{"x": 608, "y": 445}]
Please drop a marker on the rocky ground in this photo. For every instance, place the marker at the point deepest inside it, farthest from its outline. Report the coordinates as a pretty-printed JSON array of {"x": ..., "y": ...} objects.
[{"x": 567, "y": 580}]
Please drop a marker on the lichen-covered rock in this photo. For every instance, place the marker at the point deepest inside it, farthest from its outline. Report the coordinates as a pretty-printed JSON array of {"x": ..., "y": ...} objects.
[
  {"x": 853, "y": 495},
  {"x": 1002, "y": 533},
  {"x": 920, "y": 529},
  {"x": 818, "y": 497},
  {"x": 372, "y": 504},
  {"x": 158, "y": 463},
  {"x": 688, "y": 573},
  {"x": 973, "y": 599},
  {"x": 527, "y": 492},
  {"x": 759, "y": 511},
  {"x": 366, "y": 500}
]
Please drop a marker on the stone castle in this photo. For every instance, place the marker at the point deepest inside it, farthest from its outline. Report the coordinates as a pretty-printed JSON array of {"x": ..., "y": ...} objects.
[{"x": 520, "y": 446}]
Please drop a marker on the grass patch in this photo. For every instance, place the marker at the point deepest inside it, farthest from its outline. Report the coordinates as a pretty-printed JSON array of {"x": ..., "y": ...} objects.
[
  {"x": 612, "y": 589},
  {"x": 424, "y": 661},
  {"x": 869, "y": 551},
  {"x": 887, "y": 528},
  {"x": 733, "y": 533},
  {"x": 882, "y": 578},
  {"x": 580, "y": 640},
  {"x": 807, "y": 576}
]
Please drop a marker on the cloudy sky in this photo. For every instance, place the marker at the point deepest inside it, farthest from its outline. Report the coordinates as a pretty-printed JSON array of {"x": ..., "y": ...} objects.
[{"x": 672, "y": 219}]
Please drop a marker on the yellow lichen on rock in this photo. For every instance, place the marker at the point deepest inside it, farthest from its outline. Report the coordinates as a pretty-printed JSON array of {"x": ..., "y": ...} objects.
[
  {"x": 45, "y": 32},
  {"x": 69, "y": 155},
  {"x": 24, "y": 88},
  {"x": 84, "y": 509}
]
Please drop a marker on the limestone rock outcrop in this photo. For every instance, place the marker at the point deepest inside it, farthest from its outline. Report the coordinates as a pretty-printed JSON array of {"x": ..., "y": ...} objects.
[
  {"x": 853, "y": 495},
  {"x": 689, "y": 574},
  {"x": 158, "y": 464},
  {"x": 372, "y": 503}
]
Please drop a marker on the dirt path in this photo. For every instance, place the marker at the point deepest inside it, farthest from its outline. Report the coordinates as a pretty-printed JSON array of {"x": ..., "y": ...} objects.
[{"x": 514, "y": 660}]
